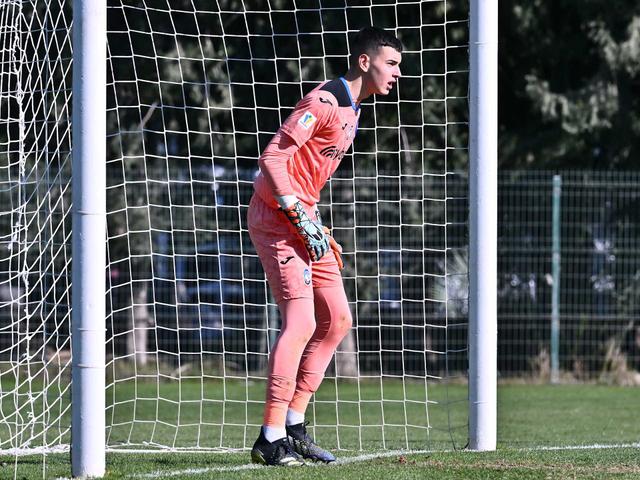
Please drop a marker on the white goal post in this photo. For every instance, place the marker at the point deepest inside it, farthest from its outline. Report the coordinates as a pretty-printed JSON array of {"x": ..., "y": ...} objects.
[
  {"x": 483, "y": 224},
  {"x": 175, "y": 353},
  {"x": 89, "y": 223}
]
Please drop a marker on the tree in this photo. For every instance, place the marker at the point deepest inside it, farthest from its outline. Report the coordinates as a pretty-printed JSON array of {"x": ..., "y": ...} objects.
[{"x": 569, "y": 84}]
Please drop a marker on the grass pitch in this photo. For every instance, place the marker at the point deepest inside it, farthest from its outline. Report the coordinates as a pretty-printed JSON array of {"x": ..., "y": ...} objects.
[{"x": 566, "y": 431}]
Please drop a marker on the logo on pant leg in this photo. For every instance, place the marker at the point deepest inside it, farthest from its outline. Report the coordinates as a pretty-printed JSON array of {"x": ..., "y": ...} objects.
[{"x": 306, "y": 275}]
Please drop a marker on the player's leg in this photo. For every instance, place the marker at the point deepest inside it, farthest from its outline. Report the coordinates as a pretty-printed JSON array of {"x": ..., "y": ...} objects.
[
  {"x": 288, "y": 271},
  {"x": 333, "y": 322},
  {"x": 297, "y": 327}
]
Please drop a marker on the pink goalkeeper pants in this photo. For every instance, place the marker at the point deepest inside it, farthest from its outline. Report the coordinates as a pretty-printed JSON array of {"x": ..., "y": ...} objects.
[{"x": 313, "y": 306}]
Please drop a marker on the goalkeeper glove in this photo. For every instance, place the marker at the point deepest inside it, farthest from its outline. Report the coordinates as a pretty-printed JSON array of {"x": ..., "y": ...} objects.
[
  {"x": 310, "y": 232},
  {"x": 335, "y": 246}
]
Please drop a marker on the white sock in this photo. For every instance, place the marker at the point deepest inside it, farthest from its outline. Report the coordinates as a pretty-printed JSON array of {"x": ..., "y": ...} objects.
[
  {"x": 273, "y": 433},
  {"x": 294, "y": 418}
]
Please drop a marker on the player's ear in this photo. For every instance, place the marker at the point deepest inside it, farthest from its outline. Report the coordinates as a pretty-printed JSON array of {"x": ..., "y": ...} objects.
[{"x": 364, "y": 62}]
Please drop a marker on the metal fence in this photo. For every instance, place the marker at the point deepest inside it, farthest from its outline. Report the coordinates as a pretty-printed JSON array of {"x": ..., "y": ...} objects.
[
  {"x": 597, "y": 285},
  {"x": 597, "y": 278}
]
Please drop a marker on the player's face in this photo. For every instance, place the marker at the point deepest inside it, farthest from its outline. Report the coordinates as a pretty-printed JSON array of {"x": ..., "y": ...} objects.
[{"x": 384, "y": 70}]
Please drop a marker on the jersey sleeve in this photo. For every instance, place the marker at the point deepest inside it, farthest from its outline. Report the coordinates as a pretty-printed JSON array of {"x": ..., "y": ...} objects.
[
  {"x": 273, "y": 163},
  {"x": 310, "y": 116}
]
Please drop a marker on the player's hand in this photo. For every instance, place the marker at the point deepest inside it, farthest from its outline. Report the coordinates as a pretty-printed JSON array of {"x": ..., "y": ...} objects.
[
  {"x": 335, "y": 246},
  {"x": 311, "y": 233}
]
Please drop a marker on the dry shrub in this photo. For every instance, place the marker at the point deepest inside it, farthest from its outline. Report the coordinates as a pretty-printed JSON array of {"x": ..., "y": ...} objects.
[{"x": 615, "y": 369}]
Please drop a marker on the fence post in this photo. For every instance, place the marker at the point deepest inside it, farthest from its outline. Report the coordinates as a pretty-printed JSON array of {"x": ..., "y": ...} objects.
[{"x": 555, "y": 273}]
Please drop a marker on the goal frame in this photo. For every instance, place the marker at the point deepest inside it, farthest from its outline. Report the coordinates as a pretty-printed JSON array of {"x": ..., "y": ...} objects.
[
  {"x": 89, "y": 227},
  {"x": 89, "y": 223},
  {"x": 483, "y": 223}
]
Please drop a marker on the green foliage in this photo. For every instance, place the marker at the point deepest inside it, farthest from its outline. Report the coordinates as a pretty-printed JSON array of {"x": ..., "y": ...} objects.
[{"x": 570, "y": 84}]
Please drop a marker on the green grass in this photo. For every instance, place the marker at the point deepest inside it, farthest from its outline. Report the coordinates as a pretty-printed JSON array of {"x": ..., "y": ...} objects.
[
  {"x": 530, "y": 417},
  {"x": 349, "y": 412}
]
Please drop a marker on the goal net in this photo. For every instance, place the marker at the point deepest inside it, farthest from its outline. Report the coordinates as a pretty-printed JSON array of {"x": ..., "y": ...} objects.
[
  {"x": 35, "y": 226},
  {"x": 195, "y": 90}
]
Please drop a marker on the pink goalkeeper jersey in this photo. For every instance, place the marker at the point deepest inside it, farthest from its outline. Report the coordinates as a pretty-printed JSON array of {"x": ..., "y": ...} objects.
[{"x": 322, "y": 125}]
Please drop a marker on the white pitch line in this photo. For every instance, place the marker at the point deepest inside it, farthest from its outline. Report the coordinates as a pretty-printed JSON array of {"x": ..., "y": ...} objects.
[
  {"x": 596, "y": 446},
  {"x": 20, "y": 452},
  {"x": 251, "y": 466},
  {"x": 340, "y": 461},
  {"x": 208, "y": 451},
  {"x": 371, "y": 456}
]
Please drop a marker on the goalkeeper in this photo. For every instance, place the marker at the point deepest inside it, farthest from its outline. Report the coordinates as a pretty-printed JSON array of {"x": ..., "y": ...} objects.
[{"x": 300, "y": 258}]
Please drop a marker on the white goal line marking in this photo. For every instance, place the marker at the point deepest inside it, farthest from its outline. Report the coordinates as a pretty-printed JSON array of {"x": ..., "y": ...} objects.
[
  {"x": 371, "y": 456},
  {"x": 21, "y": 452},
  {"x": 253, "y": 466},
  {"x": 595, "y": 446}
]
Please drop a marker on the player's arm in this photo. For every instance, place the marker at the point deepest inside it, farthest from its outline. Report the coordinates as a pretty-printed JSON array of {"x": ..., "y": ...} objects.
[
  {"x": 301, "y": 125},
  {"x": 273, "y": 164},
  {"x": 307, "y": 119}
]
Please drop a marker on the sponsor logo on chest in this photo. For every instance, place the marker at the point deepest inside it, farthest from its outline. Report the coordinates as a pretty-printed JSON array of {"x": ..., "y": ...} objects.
[{"x": 333, "y": 153}]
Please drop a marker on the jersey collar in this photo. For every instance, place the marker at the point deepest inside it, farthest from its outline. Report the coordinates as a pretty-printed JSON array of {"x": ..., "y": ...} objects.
[{"x": 353, "y": 104}]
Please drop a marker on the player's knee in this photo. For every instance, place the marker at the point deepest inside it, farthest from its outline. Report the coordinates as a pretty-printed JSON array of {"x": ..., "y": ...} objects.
[
  {"x": 346, "y": 322},
  {"x": 341, "y": 325},
  {"x": 303, "y": 328}
]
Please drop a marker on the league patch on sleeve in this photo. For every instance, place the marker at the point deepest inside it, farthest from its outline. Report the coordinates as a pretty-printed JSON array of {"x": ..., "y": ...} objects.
[{"x": 307, "y": 119}]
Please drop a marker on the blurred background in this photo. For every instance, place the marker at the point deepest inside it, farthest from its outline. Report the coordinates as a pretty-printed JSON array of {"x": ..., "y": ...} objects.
[
  {"x": 569, "y": 90},
  {"x": 195, "y": 91},
  {"x": 569, "y": 84}
]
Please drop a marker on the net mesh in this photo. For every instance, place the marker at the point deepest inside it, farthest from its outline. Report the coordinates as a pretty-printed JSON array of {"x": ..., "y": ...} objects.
[
  {"x": 35, "y": 255},
  {"x": 195, "y": 90}
]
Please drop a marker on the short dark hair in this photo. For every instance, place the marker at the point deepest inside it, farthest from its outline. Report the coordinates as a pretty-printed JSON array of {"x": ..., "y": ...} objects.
[{"x": 369, "y": 39}]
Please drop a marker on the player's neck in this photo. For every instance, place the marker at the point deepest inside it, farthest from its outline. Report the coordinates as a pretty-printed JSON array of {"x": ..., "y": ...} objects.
[{"x": 356, "y": 86}]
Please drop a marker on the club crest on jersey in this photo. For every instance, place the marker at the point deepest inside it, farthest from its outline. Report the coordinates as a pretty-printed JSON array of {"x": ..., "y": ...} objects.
[
  {"x": 306, "y": 275},
  {"x": 350, "y": 131},
  {"x": 307, "y": 119}
]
